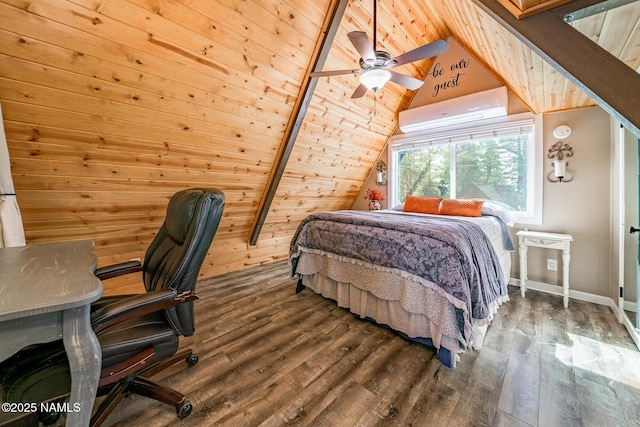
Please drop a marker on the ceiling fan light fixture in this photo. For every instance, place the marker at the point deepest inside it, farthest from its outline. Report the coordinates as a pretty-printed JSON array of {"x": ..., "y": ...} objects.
[{"x": 375, "y": 79}]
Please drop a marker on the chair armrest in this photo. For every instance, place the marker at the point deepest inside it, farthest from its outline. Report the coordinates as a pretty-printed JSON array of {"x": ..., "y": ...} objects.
[
  {"x": 108, "y": 300},
  {"x": 137, "y": 305},
  {"x": 115, "y": 270}
]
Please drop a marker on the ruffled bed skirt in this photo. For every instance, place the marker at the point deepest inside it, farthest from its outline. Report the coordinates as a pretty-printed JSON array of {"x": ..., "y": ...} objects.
[{"x": 406, "y": 303}]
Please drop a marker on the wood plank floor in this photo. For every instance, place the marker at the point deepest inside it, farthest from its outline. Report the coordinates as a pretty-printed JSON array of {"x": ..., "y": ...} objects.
[{"x": 271, "y": 357}]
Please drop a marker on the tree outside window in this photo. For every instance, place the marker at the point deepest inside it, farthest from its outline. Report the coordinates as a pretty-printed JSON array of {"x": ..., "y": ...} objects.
[{"x": 488, "y": 168}]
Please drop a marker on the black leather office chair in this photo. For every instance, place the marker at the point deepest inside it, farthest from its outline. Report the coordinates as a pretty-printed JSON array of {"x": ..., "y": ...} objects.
[{"x": 138, "y": 334}]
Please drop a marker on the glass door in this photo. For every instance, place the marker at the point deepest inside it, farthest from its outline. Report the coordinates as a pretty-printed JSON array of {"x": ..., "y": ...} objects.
[{"x": 631, "y": 231}]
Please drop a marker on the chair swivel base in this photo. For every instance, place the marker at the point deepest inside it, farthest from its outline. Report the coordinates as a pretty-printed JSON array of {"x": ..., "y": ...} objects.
[{"x": 143, "y": 386}]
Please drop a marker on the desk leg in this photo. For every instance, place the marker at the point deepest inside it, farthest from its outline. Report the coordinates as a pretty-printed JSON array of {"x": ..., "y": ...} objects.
[
  {"x": 523, "y": 269},
  {"x": 85, "y": 357},
  {"x": 566, "y": 257}
]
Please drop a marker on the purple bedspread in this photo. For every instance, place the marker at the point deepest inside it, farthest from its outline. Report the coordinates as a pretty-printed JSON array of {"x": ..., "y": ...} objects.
[{"x": 452, "y": 253}]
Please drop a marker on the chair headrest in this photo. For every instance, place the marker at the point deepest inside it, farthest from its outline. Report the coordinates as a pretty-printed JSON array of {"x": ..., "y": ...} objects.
[{"x": 180, "y": 213}]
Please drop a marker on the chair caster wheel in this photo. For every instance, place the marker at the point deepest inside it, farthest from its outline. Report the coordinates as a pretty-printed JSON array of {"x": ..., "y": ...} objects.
[
  {"x": 52, "y": 416},
  {"x": 185, "y": 410},
  {"x": 192, "y": 360},
  {"x": 49, "y": 418}
]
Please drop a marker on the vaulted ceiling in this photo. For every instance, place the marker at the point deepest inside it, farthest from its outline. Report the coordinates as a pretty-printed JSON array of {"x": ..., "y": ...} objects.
[
  {"x": 407, "y": 24},
  {"x": 111, "y": 106}
]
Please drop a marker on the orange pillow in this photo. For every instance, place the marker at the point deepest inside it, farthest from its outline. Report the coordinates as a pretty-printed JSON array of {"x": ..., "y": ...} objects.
[
  {"x": 429, "y": 205},
  {"x": 461, "y": 207}
]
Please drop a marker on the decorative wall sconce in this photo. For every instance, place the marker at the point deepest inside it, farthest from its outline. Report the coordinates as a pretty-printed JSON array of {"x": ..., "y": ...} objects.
[
  {"x": 381, "y": 177},
  {"x": 559, "y": 151}
]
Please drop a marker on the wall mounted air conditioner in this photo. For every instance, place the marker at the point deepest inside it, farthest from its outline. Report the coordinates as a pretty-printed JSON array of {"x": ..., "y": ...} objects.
[{"x": 477, "y": 106}]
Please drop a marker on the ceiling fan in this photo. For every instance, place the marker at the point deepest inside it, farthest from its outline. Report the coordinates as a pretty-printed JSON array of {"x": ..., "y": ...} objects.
[{"x": 375, "y": 65}]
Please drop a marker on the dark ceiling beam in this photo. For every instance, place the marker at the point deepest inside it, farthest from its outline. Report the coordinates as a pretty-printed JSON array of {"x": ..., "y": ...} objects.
[
  {"x": 604, "y": 78},
  {"x": 330, "y": 28}
]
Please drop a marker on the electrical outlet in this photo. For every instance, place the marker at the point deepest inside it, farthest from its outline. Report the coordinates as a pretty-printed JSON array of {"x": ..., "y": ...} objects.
[{"x": 552, "y": 264}]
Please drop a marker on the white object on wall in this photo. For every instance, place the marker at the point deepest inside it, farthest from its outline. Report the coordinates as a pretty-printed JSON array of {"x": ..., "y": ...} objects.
[
  {"x": 476, "y": 106},
  {"x": 11, "y": 229},
  {"x": 562, "y": 132}
]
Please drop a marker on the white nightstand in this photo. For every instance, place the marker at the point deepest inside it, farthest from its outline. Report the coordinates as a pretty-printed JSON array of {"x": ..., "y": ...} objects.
[{"x": 539, "y": 239}]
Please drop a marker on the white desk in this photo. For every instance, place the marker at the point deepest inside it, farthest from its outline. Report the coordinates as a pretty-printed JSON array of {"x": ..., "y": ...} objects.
[
  {"x": 45, "y": 294},
  {"x": 539, "y": 239}
]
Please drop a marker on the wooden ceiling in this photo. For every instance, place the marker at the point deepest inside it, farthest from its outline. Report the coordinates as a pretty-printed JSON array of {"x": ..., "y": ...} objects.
[
  {"x": 111, "y": 106},
  {"x": 617, "y": 30},
  {"x": 523, "y": 8}
]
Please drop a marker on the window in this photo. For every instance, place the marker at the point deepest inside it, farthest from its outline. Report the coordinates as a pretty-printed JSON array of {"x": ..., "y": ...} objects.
[{"x": 498, "y": 160}]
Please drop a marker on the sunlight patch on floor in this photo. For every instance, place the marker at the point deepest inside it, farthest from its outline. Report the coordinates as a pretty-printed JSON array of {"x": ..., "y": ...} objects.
[{"x": 600, "y": 358}]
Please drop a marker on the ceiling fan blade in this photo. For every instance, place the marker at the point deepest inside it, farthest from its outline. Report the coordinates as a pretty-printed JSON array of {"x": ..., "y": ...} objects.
[
  {"x": 362, "y": 44},
  {"x": 334, "y": 73},
  {"x": 422, "y": 52},
  {"x": 359, "y": 92},
  {"x": 405, "y": 81}
]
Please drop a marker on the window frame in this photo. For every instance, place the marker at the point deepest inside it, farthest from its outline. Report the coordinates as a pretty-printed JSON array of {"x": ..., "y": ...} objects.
[{"x": 451, "y": 134}]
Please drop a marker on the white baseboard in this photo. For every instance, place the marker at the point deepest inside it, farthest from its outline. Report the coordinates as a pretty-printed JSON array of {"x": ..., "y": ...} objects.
[
  {"x": 630, "y": 306},
  {"x": 585, "y": 296},
  {"x": 581, "y": 296},
  {"x": 557, "y": 290},
  {"x": 634, "y": 332}
]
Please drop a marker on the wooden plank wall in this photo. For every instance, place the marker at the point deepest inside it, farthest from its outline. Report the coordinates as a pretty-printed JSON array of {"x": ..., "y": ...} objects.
[
  {"x": 325, "y": 164},
  {"x": 112, "y": 106}
]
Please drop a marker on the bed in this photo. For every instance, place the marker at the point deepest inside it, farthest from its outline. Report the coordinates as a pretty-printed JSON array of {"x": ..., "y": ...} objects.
[{"x": 436, "y": 279}]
